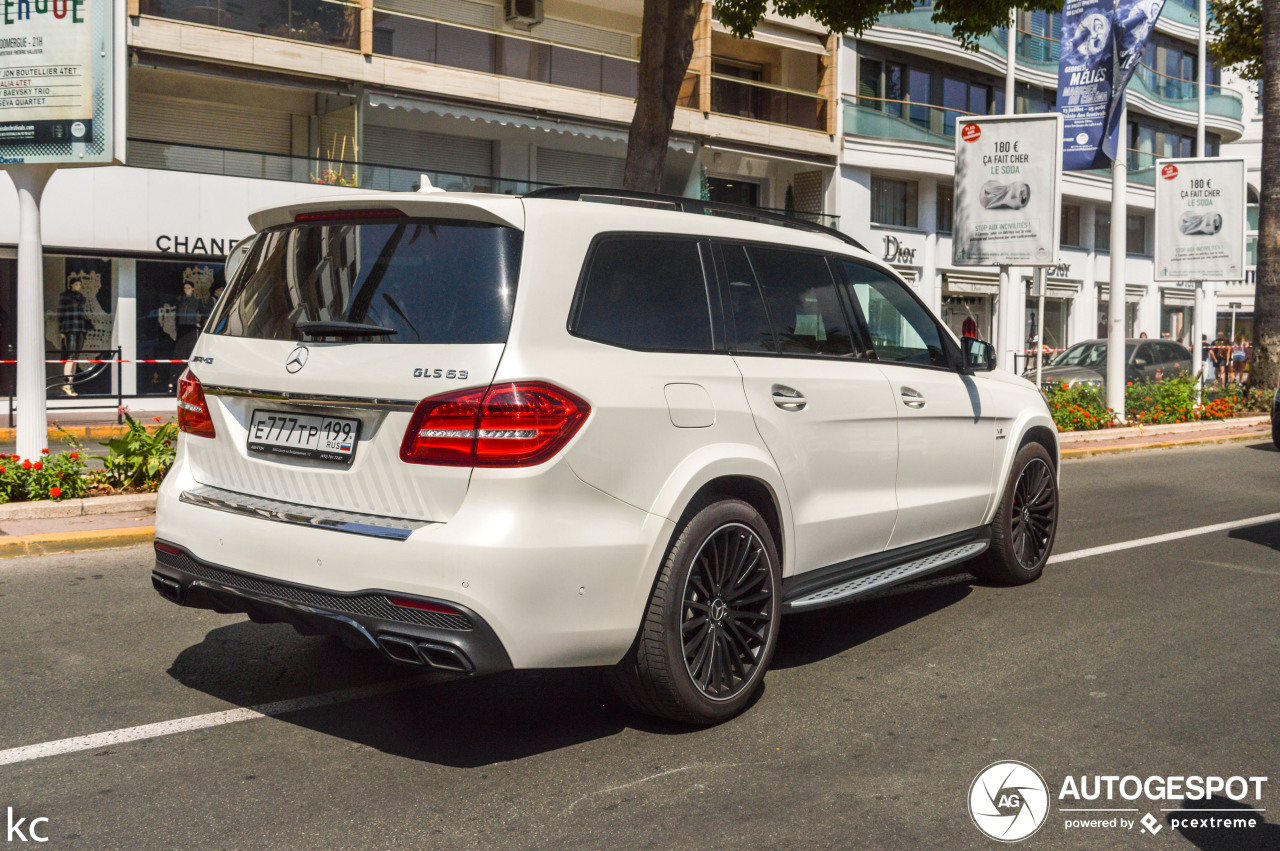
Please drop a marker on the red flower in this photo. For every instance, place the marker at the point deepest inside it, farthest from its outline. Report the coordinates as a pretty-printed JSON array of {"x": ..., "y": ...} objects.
[
  {"x": 156, "y": 419},
  {"x": 55, "y": 492},
  {"x": 14, "y": 457},
  {"x": 44, "y": 451},
  {"x": 26, "y": 465},
  {"x": 1, "y": 471},
  {"x": 75, "y": 456},
  {"x": 39, "y": 465}
]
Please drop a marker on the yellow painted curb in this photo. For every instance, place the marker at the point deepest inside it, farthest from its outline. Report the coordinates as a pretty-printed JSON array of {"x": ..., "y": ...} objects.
[
  {"x": 81, "y": 433},
  {"x": 70, "y": 542},
  {"x": 1112, "y": 450}
]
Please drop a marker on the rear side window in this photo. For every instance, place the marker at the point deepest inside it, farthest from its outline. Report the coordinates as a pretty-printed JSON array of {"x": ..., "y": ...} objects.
[
  {"x": 402, "y": 281},
  {"x": 645, "y": 293},
  {"x": 749, "y": 322},
  {"x": 803, "y": 303}
]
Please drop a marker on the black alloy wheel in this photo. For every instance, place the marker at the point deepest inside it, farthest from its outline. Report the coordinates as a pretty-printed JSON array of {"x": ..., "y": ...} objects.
[
  {"x": 727, "y": 611},
  {"x": 1034, "y": 514}
]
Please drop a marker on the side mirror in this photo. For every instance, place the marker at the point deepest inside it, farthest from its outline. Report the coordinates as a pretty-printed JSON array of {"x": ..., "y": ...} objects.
[
  {"x": 978, "y": 355},
  {"x": 1139, "y": 361}
]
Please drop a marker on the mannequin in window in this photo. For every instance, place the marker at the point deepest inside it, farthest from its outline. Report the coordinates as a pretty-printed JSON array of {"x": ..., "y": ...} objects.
[
  {"x": 190, "y": 315},
  {"x": 73, "y": 324}
]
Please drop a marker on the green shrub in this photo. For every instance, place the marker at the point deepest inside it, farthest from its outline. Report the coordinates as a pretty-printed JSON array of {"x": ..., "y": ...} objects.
[
  {"x": 1078, "y": 408},
  {"x": 60, "y": 476},
  {"x": 1171, "y": 400},
  {"x": 139, "y": 459}
]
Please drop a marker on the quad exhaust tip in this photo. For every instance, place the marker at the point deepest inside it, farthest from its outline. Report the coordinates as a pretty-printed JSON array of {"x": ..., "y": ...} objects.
[{"x": 428, "y": 654}]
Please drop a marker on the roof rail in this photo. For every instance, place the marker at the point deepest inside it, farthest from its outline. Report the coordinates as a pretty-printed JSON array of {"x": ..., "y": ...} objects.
[{"x": 689, "y": 205}]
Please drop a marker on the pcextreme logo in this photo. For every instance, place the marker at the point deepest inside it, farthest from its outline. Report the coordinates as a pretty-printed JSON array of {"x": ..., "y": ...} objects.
[{"x": 1008, "y": 801}]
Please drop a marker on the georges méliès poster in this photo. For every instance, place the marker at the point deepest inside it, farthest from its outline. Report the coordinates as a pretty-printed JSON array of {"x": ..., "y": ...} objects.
[{"x": 46, "y": 72}]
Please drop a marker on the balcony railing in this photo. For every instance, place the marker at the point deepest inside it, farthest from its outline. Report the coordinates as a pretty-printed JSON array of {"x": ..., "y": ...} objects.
[
  {"x": 920, "y": 19},
  {"x": 765, "y": 102},
  {"x": 330, "y": 22},
  {"x": 900, "y": 119},
  {"x": 173, "y": 156},
  {"x": 504, "y": 54},
  {"x": 1035, "y": 49},
  {"x": 1182, "y": 93}
]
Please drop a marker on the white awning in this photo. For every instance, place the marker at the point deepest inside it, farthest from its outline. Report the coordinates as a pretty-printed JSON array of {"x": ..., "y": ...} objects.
[
  {"x": 510, "y": 119},
  {"x": 781, "y": 36},
  {"x": 963, "y": 282}
]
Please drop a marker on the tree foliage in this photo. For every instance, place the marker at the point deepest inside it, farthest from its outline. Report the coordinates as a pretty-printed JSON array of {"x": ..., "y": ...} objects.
[
  {"x": 1235, "y": 29},
  {"x": 666, "y": 45}
]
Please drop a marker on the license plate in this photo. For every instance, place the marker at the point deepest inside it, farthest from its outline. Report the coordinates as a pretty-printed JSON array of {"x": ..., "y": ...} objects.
[{"x": 304, "y": 435}]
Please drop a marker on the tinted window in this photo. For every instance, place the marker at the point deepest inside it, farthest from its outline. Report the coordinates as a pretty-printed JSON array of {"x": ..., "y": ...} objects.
[
  {"x": 423, "y": 281},
  {"x": 1145, "y": 353},
  {"x": 802, "y": 302},
  {"x": 1172, "y": 353},
  {"x": 749, "y": 322},
  {"x": 901, "y": 330},
  {"x": 645, "y": 293}
]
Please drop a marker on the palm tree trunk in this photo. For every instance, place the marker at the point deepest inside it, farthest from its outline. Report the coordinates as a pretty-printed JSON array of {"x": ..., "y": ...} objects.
[
  {"x": 1265, "y": 369},
  {"x": 669, "y": 24}
]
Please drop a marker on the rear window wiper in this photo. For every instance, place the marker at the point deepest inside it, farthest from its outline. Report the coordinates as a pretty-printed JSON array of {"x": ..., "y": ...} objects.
[{"x": 326, "y": 328}]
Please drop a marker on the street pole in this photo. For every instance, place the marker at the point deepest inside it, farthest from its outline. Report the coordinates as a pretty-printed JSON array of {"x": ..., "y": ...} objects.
[
  {"x": 1197, "y": 362},
  {"x": 1006, "y": 322},
  {"x": 1040, "y": 287},
  {"x": 1202, "y": 289},
  {"x": 1119, "y": 221},
  {"x": 33, "y": 424}
]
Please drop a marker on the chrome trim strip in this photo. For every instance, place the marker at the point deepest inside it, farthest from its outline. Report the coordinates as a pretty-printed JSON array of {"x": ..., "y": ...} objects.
[
  {"x": 863, "y": 584},
  {"x": 369, "y": 525},
  {"x": 311, "y": 398}
]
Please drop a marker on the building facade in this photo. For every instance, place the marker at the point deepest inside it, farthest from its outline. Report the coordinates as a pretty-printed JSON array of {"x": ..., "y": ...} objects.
[
  {"x": 234, "y": 106},
  {"x": 906, "y": 84}
]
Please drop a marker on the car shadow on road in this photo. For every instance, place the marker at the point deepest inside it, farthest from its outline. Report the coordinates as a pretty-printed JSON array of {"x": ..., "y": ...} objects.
[
  {"x": 813, "y": 636},
  {"x": 1210, "y": 835},
  {"x": 1263, "y": 534},
  {"x": 453, "y": 721},
  {"x": 1263, "y": 447}
]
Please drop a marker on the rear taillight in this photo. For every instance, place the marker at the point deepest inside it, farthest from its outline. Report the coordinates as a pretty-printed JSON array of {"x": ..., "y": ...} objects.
[
  {"x": 506, "y": 425},
  {"x": 193, "y": 411}
]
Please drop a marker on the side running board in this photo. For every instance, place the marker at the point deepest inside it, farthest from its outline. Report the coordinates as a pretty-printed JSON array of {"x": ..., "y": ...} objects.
[{"x": 844, "y": 582}]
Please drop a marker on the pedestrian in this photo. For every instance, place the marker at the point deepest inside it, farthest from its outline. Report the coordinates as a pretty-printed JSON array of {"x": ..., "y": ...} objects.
[
  {"x": 1167, "y": 335},
  {"x": 1239, "y": 357},
  {"x": 1142, "y": 336},
  {"x": 1220, "y": 360}
]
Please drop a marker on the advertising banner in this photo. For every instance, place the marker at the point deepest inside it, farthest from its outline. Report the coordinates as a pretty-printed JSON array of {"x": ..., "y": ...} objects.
[
  {"x": 1200, "y": 219},
  {"x": 60, "y": 61},
  {"x": 1102, "y": 43},
  {"x": 1007, "y": 192}
]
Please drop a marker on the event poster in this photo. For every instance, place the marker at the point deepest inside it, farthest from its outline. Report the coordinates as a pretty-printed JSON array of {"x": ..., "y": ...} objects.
[
  {"x": 1007, "y": 191},
  {"x": 59, "y": 60},
  {"x": 1102, "y": 42},
  {"x": 1200, "y": 219}
]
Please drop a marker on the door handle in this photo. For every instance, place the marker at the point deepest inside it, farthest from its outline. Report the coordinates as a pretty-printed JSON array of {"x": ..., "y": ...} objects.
[
  {"x": 788, "y": 398},
  {"x": 912, "y": 398}
]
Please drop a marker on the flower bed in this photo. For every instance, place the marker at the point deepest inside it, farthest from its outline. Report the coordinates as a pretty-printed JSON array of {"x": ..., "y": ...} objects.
[
  {"x": 136, "y": 462},
  {"x": 1171, "y": 400}
]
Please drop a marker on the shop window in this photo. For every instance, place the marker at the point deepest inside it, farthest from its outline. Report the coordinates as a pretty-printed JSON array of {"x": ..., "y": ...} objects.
[
  {"x": 894, "y": 202},
  {"x": 174, "y": 300},
  {"x": 967, "y": 315},
  {"x": 79, "y": 309},
  {"x": 1071, "y": 225}
]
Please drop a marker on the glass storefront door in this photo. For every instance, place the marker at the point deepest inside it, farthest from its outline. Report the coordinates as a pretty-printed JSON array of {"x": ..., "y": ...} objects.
[{"x": 968, "y": 315}]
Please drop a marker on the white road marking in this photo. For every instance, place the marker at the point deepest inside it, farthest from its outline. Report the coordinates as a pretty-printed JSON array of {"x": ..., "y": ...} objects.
[
  {"x": 200, "y": 722},
  {"x": 1160, "y": 539}
]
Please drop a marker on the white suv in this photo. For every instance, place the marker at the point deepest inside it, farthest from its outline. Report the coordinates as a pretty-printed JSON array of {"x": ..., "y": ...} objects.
[{"x": 569, "y": 429}]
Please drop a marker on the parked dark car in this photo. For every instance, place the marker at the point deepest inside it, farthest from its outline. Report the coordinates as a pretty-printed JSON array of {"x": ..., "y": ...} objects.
[{"x": 1086, "y": 363}]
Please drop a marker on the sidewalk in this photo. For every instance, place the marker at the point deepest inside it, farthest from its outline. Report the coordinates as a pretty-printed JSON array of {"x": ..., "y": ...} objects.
[{"x": 1080, "y": 443}]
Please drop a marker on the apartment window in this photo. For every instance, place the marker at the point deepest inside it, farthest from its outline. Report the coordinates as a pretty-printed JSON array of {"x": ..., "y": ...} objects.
[
  {"x": 882, "y": 84},
  {"x": 894, "y": 202},
  {"x": 1102, "y": 230},
  {"x": 1033, "y": 99},
  {"x": 1071, "y": 225},
  {"x": 946, "y": 206},
  {"x": 1136, "y": 241}
]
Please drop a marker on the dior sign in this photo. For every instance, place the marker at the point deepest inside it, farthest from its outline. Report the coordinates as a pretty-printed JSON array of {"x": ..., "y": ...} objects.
[{"x": 896, "y": 252}]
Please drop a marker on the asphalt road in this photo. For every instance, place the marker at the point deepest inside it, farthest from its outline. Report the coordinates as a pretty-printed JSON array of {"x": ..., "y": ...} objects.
[{"x": 1156, "y": 660}]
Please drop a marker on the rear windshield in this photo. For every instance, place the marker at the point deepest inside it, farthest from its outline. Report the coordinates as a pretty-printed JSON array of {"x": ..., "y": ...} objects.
[{"x": 400, "y": 281}]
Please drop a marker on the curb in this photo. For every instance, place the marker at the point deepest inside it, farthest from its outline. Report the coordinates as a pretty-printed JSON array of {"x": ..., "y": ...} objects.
[
  {"x": 70, "y": 542},
  {"x": 47, "y": 509},
  {"x": 57, "y": 436},
  {"x": 1164, "y": 430},
  {"x": 1086, "y": 451}
]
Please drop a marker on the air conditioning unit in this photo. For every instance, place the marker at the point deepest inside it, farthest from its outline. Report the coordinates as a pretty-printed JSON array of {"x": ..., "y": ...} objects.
[{"x": 525, "y": 14}]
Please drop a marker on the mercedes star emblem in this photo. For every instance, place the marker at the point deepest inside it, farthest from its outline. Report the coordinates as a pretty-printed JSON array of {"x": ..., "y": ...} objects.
[{"x": 297, "y": 359}]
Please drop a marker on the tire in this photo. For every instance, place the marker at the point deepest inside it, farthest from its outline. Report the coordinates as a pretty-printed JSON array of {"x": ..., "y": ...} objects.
[
  {"x": 1026, "y": 522},
  {"x": 731, "y": 614}
]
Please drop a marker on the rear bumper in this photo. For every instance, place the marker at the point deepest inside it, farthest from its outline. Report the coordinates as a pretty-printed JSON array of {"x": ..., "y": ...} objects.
[{"x": 461, "y": 643}]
